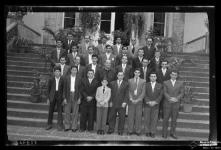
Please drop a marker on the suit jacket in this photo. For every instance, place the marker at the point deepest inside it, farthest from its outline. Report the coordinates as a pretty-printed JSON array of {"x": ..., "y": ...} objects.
[
  {"x": 109, "y": 74},
  {"x": 53, "y": 57},
  {"x": 103, "y": 59},
  {"x": 135, "y": 52},
  {"x": 84, "y": 51},
  {"x": 119, "y": 57},
  {"x": 67, "y": 46},
  {"x": 98, "y": 73},
  {"x": 119, "y": 95},
  {"x": 115, "y": 51},
  {"x": 128, "y": 72},
  {"x": 71, "y": 59},
  {"x": 148, "y": 71},
  {"x": 176, "y": 91},
  {"x": 100, "y": 96},
  {"x": 85, "y": 59},
  {"x": 155, "y": 65},
  {"x": 66, "y": 70},
  {"x": 100, "y": 49},
  {"x": 67, "y": 88},
  {"x": 161, "y": 78},
  {"x": 81, "y": 71},
  {"x": 88, "y": 89},
  {"x": 140, "y": 90},
  {"x": 137, "y": 63},
  {"x": 52, "y": 87},
  {"x": 149, "y": 52},
  {"x": 153, "y": 96}
]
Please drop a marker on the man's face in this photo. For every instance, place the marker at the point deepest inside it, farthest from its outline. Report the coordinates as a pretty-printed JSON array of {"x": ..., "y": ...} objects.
[
  {"x": 74, "y": 71},
  {"x": 164, "y": 65},
  {"x": 59, "y": 44},
  {"x": 90, "y": 74},
  {"x": 149, "y": 41},
  {"x": 118, "y": 41},
  {"x": 90, "y": 50},
  {"x": 120, "y": 75},
  {"x": 145, "y": 62},
  {"x": 94, "y": 60},
  {"x": 104, "y": 82},
  {"x": 140, "y": 53},
  {"x": 108, "y": 64},
  {"x": 77, "y": 60},
  {"x": 133, "y": 41},
  {"x": 157, "y": 54},
  {"x": 74, "y": 48},
  {"x": 109, "y": 49},
  {"x": 136, "y": 73},
  {"x": 87, "y": 39},
  {"x": 70, "y": 37},
  {"x": 153, "y": 77},
  {"x": 57, "y": 73},
  {"x": 104, "y": 40},
  {"x": 173, "y": 75},
  {"x": 124, "y": 50},
  {"x": 124, "y": 60},
  {"x": 62, "y": 60}
]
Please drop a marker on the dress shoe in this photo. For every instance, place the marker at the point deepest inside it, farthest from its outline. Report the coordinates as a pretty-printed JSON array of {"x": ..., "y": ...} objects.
[
  {"x": 173, "y": 136},
  {"x": 48, "y": 127},
  {"x": 164, "y": 136},
  {"x": 109, "y": 132},
  {"x": 59, "y": 128},
  {"x": 102, "y": 132},
  {"x": 147, "y": 134},
  {"x": 65, "y": 130},
  {"x": 138, "y": 134},
  {"x": 74, "y": 130},
  {"x": 129, "y": 133},
  {"x": 81, "y": 130},
  {"x": 120, "y": 133},
  {"x": 98, "y": 131},
  {"x": 152, "y": 135}
]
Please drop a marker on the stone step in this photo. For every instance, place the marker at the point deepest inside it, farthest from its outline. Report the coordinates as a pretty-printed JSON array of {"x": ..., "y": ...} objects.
[
  {"x": 196, "y": 79},
  {"x": 23, "y": 73},
  {"x": 26, "y": 59},
  {"x": 201, "y": 89},
  {"x": 27, "y": 68},
  {"x": 19, "y": 84},
  {"x": 30, "y": 55},
  {"x": 206, "y": 66},
  {"x": 20, "y": 78},
  {"x": 25, "y": 63},
  {"x": 194, "y": 74},
  {"x": 198, "y": 84},
  {"x": 195, "y": 69},
  {"x": 189, "y": 56},
  {"x": 201, "y": 95},
  {"x": 18, "y": 90}
]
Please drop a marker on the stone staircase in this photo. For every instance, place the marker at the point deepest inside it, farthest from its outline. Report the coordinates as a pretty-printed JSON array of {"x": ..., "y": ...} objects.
[{"x": 21, "y": 112}]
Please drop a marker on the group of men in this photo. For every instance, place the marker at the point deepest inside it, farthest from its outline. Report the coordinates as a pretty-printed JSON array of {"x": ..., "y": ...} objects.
[{"x": 140, "y": 85}]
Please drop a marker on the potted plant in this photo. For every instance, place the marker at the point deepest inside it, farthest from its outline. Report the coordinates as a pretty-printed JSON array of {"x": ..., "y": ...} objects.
[
  {"x": 22, "y": 45},
  {"x": 35, "y": 91},
  {"x": 187, "y": 98}
]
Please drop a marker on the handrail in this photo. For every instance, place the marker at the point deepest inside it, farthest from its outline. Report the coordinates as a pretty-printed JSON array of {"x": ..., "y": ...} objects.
[
  {"x": 196, "y": 39},
  {"x": 11, "y": 26},
  {"x": 30, "y": 29}
]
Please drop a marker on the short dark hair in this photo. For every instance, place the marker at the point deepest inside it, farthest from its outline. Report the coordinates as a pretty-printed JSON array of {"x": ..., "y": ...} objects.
[
  {"x": 90, "y": 70},
  {"x": 69, "y": 33},
  {"x": 137, "y": 69},
  {"x": 62, "y": 56},
  {"x": 124, "y": 47},
  {"x": 108, "y": 46},
  {"x": 140, "y": 49},
  {"x": 90, "y": 46},
  {"x": 95, "y": 55},
  {"x": 74, "y": 66},
  {"x": 164, "y": 60},
  {"x": 58, "y": 40},
  {"x": 74, "y": 45},
  {"x": 57, "y": 68},
  {"x": 153, "y": 72},
  {"x": 120, "y": 71},
  {"x": 174, "y": 71}
]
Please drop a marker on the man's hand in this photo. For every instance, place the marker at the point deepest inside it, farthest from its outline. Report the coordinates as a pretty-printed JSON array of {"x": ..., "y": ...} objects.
[
  {"x": 173, "y": 99},
  {"x": 110, "y": 104},
  {"x": 79, "y": 101},
  {"x": 102, "y": 103},
  {"x": 89, "y": 98},
  {"x": 48, "y": 101},
  {"x": 124, "y": 104},
  {"x": 64, "y": 102}
]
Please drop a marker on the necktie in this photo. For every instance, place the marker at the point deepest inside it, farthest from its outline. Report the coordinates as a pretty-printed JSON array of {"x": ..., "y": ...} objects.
[
  {"x": 144, "y": 70},
  {"x": 152, "y": 87},
  {"x": 118, "y": 84},
  {"x": 58, "y": 54},
  {"x": 133, "y": 49},
  {"x": 103, "y": 89}
]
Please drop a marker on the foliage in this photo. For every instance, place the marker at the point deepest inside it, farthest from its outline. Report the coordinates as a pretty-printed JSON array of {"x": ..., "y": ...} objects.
[
  {"x": 22, "y": 42},
  {"x": 90, "y": 21},
  {"x": 122, "y": 35},
  {"x": 175, "y": 62}
]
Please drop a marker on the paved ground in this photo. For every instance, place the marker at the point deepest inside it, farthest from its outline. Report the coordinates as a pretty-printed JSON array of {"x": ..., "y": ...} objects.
[{"x": 40, "y": 134}]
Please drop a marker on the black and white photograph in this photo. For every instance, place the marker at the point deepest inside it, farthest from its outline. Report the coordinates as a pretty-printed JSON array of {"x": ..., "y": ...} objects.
[{"x": 92, "y": 74}]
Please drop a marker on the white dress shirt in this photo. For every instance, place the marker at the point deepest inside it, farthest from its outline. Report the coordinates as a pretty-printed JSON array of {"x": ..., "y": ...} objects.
[
  {"x": 118, "y": 47},
  {"x": 108, "y": 55},
  {"x": 57, "y": 81},
  {"x": 93, "y": 67},
  {"x": 74, "y": 54},
  {"x": 164, "y": 71},
  {"x": 62, "y": 69},
  {"x": 73, "y": 83},
  {"x": 90, "y": 80},
  {"x": 119, "y": 83},
  {"x": 173, "y": 82},
  {"x": 140, "y": 58},
  {"x": 58, "y": 52},
  {"x": 90, "y": 58},
  {"x": 123, "y": 67},
  {"x": 153, "y": 85}
]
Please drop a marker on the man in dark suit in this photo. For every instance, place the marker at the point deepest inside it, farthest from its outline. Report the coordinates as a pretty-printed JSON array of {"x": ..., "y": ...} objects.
[
  {"x": 163, "y": 75},
  {"x": 173, "y": 92},
  {"x": 88, "y": 57},
  {"x": 133, "y": 48},
  {"x": 118, "y": 102},
  {"x": 101, "y": 47},
  {"x": 81, "y": 69},
  {"x": 127, "y": 69},
  {"x": 96, "y": 67},
  {"x": 154, "y": 93},
  {"x": 145, "y": 70},
  {"x": 89, "y": 86},
  {"x": 68, "y": 43},
  {"x": 138, "y": 60},
  {"x": 124, "y": 52},
  {"x": 149, "y": 49},
  {"x": 108, "y": 72},
  {"x": 65, "y": 69},
  {"x": 155, "y": 62},
  {"x": 117, "y": 47},
  {"x": 71, "y": 96},
  {"x": 108, "y": 55},
  {"x": 55, "y": 93},
  {"x": 56, "y": 54},
  {"x": 72, "y": 55}
]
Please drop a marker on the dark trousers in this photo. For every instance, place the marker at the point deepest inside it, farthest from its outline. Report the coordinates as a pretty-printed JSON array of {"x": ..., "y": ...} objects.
[
  {"x": 170, "y": 110},
  {"x": 112, "y": 118},
  {"x": 87, "y": 117},
  {"x": 160, "y": 114},
  {"x": 55, "y": 101}
]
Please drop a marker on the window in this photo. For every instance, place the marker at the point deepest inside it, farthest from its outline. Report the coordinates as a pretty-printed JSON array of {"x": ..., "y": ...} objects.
[
  {"x": 69, "y": 19},
  {"x": 105, "y": 22},
  {"x": 159, "y": 22}
]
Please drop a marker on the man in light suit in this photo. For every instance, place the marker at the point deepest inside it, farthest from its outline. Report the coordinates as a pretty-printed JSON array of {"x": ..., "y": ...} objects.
[
  {"x": 133, "y": 49},
  {"x": 117, "y": 47},
  {"x": 56, "y": 54},
  {"x": 55, "y": 93},
  {"x": 102, "y": 47},
  {"x": 71, "y": 96},
  {"x": 173, "y": 92},
  {"x": 163, "y": 75},
  {"x": 65, "y": 69},
  {"x": 154, "y": 93},
  {"x": 136, "y": 94},
  {"x": 108, "y": 55},
  {"x": 118, "y": 102},
  {"x": 145, "y": 70},
  {"x": 127, "y": 69}
]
